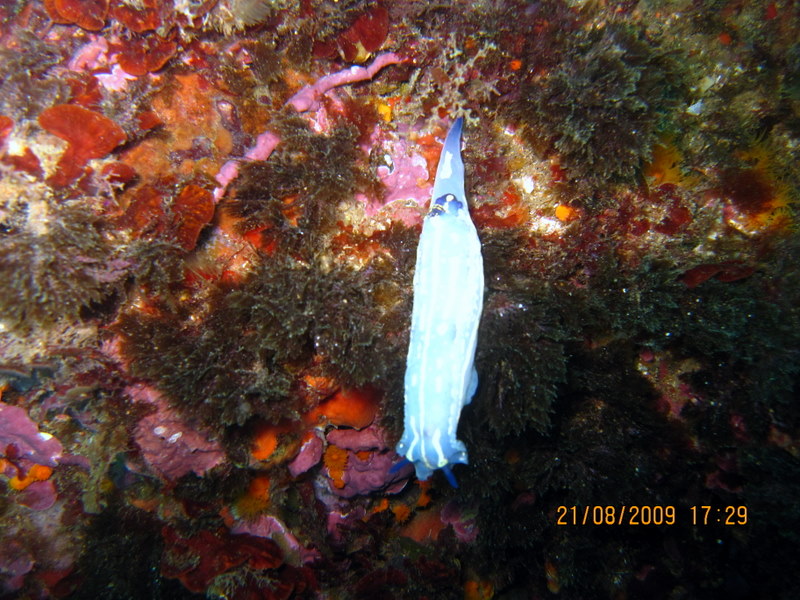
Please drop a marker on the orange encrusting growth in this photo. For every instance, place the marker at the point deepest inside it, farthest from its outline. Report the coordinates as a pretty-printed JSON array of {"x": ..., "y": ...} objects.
[
  {"x": 565, "y": 213},
  {"x": 35, "y": 473},
  {"x": 430, "y": 147},
  {"x": 267, "y": 438},
  {"x": 424, "y": 498},
  {"x": 401, "y": 513},
  {"x": 349, "y": 407},
  {"x": 188, "y": 115},
  {"x": 381, "y": 505},
  {"x": 665, "y": 166},
  {"x": 259, "y": 488},
  {"x": 256, "y": 500},
  {"x": 320, "y": 385},
  {"x": 419, "y": 525},
  {"x": 424, "y": 526},
  {"x": 508, "y": 212},
  {"x": 478, "y": 590},
  {"x": 364, "y": 455},
  {"x": 335, "y": 460}
]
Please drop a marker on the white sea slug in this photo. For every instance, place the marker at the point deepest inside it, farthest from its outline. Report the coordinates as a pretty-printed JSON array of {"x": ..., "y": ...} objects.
[{"x": 448, "y": 300}]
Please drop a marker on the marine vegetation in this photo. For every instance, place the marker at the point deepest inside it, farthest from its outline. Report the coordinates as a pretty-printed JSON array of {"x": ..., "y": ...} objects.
[{"x": 603, "y": 103}]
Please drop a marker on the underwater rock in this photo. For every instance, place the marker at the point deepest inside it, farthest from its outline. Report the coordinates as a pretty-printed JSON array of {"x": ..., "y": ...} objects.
[
  {"x": 17, "y": 430},
  {"x": 173, "y": 448},
  {"x": 15, "y": 563},
  {"x": 214, "y": 256}
]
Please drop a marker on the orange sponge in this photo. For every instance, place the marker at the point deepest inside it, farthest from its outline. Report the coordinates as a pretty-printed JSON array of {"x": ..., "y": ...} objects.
[
  {"x": 35, "y": 473},
  {"x": 350, "y": 407}
]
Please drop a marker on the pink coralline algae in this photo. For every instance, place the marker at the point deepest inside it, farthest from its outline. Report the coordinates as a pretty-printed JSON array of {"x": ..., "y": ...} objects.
[
  {"x": 94, "y": 57},
  {"x": 407, "y": 177},
  {"x": 174, "y": 449},
  {"x": 169, "y": 444},
  {"x": 307, "y": 99},
  {"x": 24, "y": 446},
  {"x": 370, "y": 438},
  {"x": 370, "y": 463},
  {"x": 39, "y": 495},
  {"x": 116, "y": 80},
  {"x": 341, "y": 517},
  {"x": 89, "y": 56},
  {"x": 26, "y": 441},
  {"x": 309, "y": 455}
]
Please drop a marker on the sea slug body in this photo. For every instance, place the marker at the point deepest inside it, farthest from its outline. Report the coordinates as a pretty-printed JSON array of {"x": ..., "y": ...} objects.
[{"x": 448, "y": 300}]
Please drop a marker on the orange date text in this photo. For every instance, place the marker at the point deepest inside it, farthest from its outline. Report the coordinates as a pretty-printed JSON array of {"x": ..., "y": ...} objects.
[{"x": 632, "y": 515}]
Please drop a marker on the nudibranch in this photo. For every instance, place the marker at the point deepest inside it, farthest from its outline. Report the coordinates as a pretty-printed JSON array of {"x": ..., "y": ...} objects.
[{"x": 448, "y": 300}]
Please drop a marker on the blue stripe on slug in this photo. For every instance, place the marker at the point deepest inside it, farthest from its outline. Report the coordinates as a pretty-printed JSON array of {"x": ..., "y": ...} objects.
[{"x": 448, "y": 300}]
